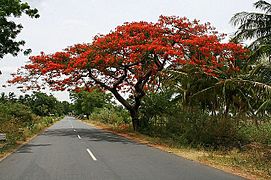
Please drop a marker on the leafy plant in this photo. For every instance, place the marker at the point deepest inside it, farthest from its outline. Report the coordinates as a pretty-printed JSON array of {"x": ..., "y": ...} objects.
[
  {"x": 9, "y": 29},
  {"x": 111, "y": 115}
]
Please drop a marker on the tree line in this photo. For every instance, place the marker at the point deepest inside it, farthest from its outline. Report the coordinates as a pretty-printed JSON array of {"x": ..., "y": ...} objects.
[{"x": 39, "y": 103}]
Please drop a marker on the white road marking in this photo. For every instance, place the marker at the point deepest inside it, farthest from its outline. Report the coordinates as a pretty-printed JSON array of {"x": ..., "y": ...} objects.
[
  {"x": 74, "y": 130},
  {"x": 71, "y": 123},
  {"x": 91, "y": 154},
  {"x": 79, "y": 136}
]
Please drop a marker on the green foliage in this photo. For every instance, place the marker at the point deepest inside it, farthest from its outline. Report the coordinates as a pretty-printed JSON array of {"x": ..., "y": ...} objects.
[
  {"x": 209, "y": 131},
  {"x": 245, "y": 92},
  {"x": 167, "y": 118},
  {"x": 260, "y": 133},
  {"x": 85, "y": 102},
  {"x": 9, "y": 29},
  {"x": 45, "y": 105},
  {"x": 18, "y": 111},
  {"x": 39, "y": 103},
  {"x": 65, "y": 107},
  {"x": 18, "y": 122},
  {"x": 42, "y": 104},
  {"x": 157, "y": 106},
  {"x": 111, "y": 115}
]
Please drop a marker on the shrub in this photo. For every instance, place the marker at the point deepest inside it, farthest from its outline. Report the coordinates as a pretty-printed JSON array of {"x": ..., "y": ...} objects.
[
  {"x": 157, "y": 109},
  {"x": 253, "y": 133},
  {"x": 195, "y": 128},
  {"x": 20, "y": 112},
  {"x": 111, "y": 115},
  {"x": 19, "y": 123}
]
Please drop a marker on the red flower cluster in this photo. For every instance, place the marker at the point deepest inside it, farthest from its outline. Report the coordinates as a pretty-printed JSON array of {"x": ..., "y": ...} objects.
[{"x": 132, "y": 55}]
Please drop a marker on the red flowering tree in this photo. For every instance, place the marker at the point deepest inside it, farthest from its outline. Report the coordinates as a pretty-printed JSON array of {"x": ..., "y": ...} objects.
[{"x": 128, "y": 59}]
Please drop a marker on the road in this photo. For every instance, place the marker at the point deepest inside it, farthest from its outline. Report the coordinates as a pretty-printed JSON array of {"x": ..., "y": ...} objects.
[{"x": 72, "y": 150}]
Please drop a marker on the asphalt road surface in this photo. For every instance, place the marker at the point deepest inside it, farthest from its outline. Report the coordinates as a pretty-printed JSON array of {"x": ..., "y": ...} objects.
[{"x": 72, "y": 150}]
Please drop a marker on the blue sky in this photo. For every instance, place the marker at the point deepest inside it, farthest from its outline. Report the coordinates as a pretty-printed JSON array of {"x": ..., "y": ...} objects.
[{"x": 66, "y": 22}]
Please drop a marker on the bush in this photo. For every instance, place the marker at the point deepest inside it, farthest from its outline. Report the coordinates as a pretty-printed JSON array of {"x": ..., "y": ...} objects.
[
  {"x": 13, "y": 130},
  {"x": 20, "y": 112},
  {"x": 156, "y": 110},
  {"x": 111, "y": 115},
  {"x": 13, "y": 117},
  {"x": 252, "y": 133},
  {"x": 162, "y": 115},
  {"x": 167, "y": 119},
  {"x": 196, "y": 129},
  {"x": 19, "y": 123}
]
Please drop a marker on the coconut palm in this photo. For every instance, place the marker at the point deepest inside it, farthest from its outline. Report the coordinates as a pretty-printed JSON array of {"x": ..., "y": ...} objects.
[
  {"x": 247, "y": 92},
  {"x": 255, "y": 26}
]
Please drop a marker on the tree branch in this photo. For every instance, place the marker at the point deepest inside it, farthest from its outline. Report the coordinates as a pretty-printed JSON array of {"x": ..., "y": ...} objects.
[
  {"x": 124, "y": 102},
  {"x": 121, "y": 79},
  {"x": 97, "y": 81}
]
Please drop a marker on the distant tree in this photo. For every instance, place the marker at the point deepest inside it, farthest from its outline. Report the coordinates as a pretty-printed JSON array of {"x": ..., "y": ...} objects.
[
  {"x": 66, "y": 107},
  {"x": 26, "y": 99},
  {"x": 85, "y": 102},
  {"x": 255, "y": 26},
  {"x": 9, "y": 29},
  {"x": 44, "y": 105}
]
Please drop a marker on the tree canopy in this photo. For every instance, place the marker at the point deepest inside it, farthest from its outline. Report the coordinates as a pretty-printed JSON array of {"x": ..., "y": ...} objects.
[
  {"x": 10, "y": 9},
  {"x": 129, "y": 59}
]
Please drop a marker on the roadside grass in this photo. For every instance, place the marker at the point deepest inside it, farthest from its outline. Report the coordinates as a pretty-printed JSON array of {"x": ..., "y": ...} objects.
[
  {"x": 252, "y": 161},
  {"x": 19, "y": 133}
]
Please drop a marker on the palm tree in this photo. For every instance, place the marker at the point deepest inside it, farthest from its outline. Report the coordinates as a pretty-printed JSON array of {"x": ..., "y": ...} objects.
[
  {"x": 245, "y": 93},
  {"x": 255, "y": 26}
]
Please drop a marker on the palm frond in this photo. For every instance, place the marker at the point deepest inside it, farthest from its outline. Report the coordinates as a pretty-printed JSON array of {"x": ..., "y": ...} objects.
[
  {"x": 263, "y": 106},
  {"x": 246, "y": 99},
  {"x": 255, "y": 26},
  {"x": 263, "y": 5},
  {"x": 255, "y": 70},
  {"x": 206, "y": 90},
  {"x": 261, "y": 72},
  {"x": 182, "y": 73},
  {"x": 258, "y": 85},
  {"x": 252, "y": 25},
  {"x": 260, "y": 50},
  {"x": 264, "y": 40},
  {"x": 250, "y": 19}
]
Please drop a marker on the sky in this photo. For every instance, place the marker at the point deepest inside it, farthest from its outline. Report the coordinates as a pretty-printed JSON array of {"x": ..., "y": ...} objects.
[{"x": 67, "y": 22}]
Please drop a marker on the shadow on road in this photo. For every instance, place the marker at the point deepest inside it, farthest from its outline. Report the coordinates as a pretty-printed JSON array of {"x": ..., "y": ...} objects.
[
  {"x": 28, "y": 148},
  {"x": 90, "y": 135}
]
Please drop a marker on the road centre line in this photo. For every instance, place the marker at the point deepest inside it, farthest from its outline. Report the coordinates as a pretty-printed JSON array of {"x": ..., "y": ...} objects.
[
  {"x": 71, "y": 123},
  {"x": 79, "y": 137},
  {"x": 74, "y": 130},
  {"x": 91, "y": 154}
]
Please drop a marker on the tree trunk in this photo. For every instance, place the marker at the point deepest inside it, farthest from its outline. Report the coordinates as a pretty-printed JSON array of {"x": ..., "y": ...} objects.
[
  {"x": 135, "y": 119},
  {"x": 227, "y": 108},
  {"x": 132, "y": 109}
]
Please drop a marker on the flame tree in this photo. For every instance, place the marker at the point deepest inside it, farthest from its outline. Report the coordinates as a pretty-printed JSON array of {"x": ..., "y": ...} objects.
[{"x": 129, "y": 59}]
